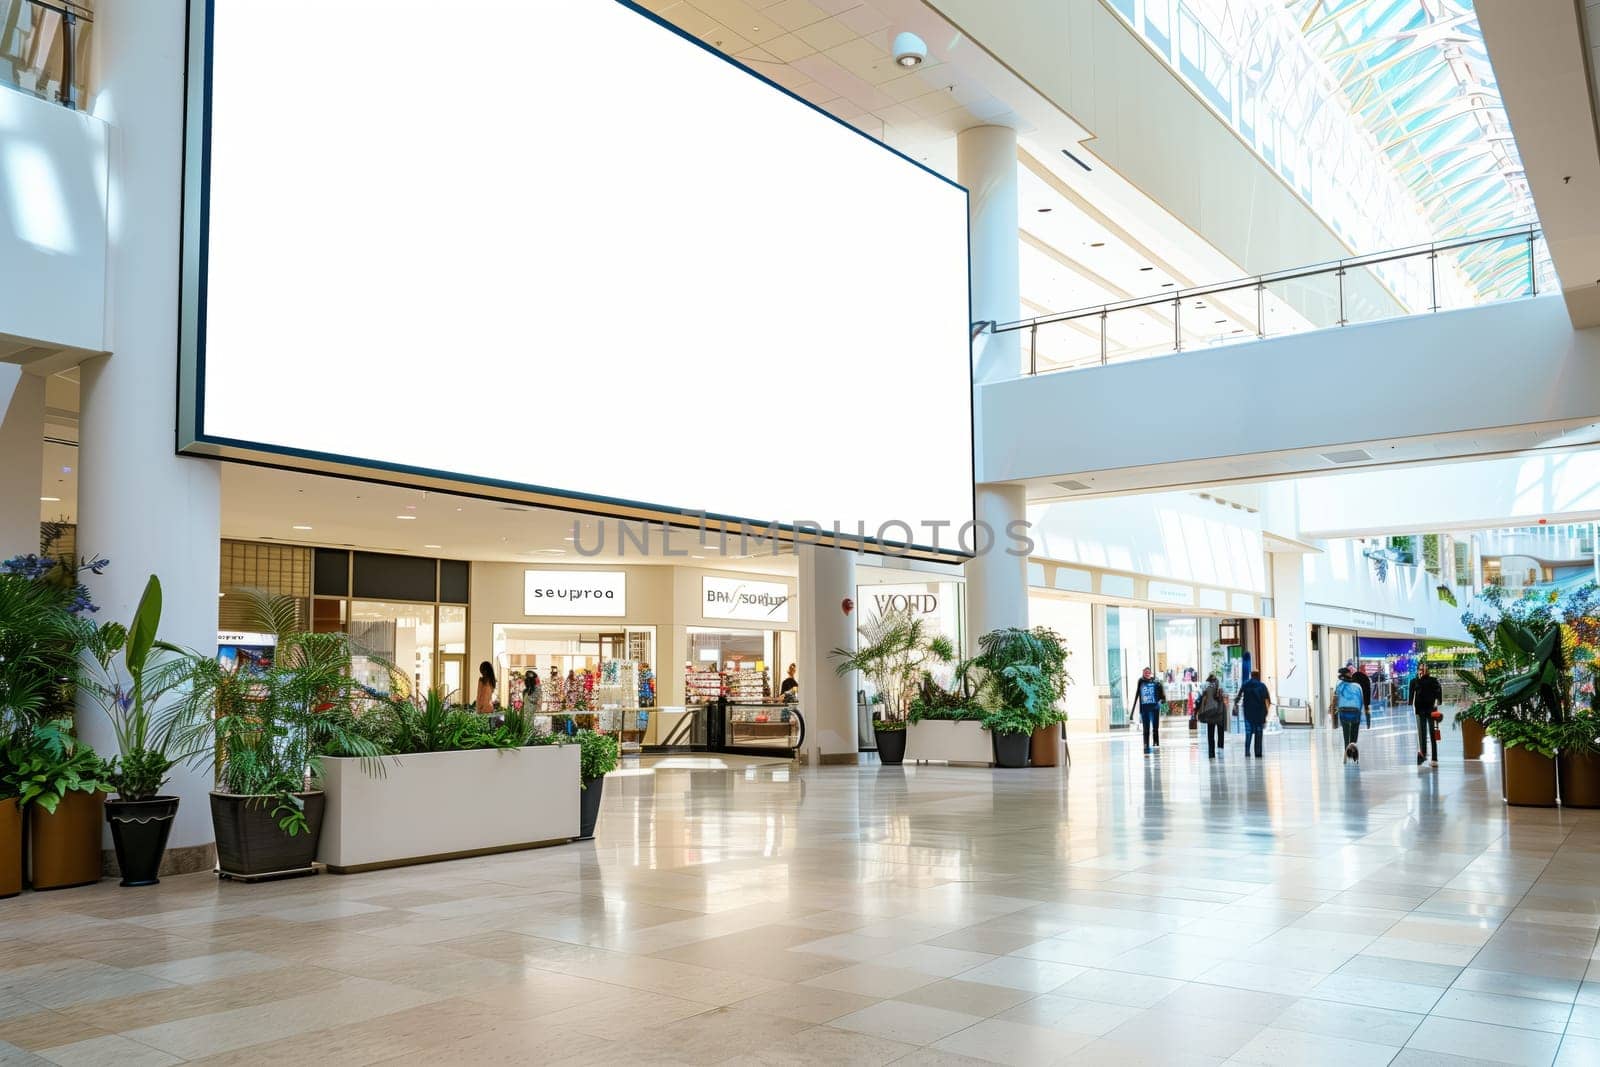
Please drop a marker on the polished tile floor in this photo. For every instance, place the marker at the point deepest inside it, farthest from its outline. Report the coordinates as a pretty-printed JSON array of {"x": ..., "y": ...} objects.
[{"x": 1163, "y": 910}]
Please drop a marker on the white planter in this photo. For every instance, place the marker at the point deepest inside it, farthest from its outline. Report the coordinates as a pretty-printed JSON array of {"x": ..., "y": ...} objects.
[
  {"x": 952, "y": 742},
  {"x": 442, "y": 805}
]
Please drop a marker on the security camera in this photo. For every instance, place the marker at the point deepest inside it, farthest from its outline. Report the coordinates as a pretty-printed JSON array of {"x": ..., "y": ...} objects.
[{"x": 909, "y": 50}]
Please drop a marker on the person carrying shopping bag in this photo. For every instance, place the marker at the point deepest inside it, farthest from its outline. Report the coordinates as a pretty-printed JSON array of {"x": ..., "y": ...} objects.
[
  {"x": 1426, "y": 696},
  {"x": 1214, "y": 713},
  {"x": 1347, "y": 698}
]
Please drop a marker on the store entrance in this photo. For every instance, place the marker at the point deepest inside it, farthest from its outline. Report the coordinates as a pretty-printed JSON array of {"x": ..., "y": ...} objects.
[{"x": 588, "y": 678}]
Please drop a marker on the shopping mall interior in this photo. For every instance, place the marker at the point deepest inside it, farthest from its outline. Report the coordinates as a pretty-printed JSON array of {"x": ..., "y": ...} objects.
[{"x": 778, "y": 531}]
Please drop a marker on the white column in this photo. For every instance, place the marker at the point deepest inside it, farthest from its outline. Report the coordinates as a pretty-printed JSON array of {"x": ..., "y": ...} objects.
[
  {"x": 986, "y": 163},
  {"x": 1293, "y": 649},
  {"x": 21, "y": 459},
  {"x": 997, "y": 579},
  {"x": 827, "y": 700},
  {"x": 149, "y": 511}
]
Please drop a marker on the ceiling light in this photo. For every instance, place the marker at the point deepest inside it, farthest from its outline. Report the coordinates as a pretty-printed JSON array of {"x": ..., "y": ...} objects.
[
  {"x": 1045, "y": 210},
  {"x": 909, "y": 50},
  {"x": 1168, "y": 285},
  {"x": 1146, "y": 268},
  {"x": 50, "y": 499},
  {"x": 1097, "y": 244},
  {"x": 301, "y": 526},
  {"x": 406, "y": 518},
  {"x": 432, "y": 546},
  {"x": 1222, "y": 322}
]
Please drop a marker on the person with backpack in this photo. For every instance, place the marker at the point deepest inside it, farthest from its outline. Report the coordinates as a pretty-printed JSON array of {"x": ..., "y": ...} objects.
[
  {"x": 1150, "y": 695},
  {"x": 1214, "y": 713},
  {"x": 1426, "y": 696},
  {"x": 1254, "y": 699},
  {"x": 1347, "y": 698}
]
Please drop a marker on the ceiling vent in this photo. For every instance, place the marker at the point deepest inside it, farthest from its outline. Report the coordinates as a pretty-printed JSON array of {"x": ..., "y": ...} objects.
[
  {"x": 1348, "y": 455},
  {"x": 1071, "y": 486}
]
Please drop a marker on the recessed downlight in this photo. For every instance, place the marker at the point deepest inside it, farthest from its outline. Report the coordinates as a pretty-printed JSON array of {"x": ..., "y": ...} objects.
[
  {"x": 50, "y": 500},
  {"x": 1042, "y": 211},
  {"x": 1097, "y": 244},
  {"x": 301, "y": 526},
  {"x": 406, "y": 518},
  {"x": 1141, "y": 269},
  {"x": 432, "y": 546}
]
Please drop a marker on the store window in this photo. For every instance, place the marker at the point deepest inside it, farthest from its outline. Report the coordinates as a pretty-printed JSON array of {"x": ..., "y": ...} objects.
[
  {"x": 582, "y": 670},
  {"x": 401, "y": 634},
  {"x": 737, "y": 663}
]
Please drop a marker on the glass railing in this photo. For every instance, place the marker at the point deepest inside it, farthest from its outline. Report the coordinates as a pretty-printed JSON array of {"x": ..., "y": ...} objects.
[
  {"x": 44, "y": 48},
  {"x": 1456, "y": 273}
]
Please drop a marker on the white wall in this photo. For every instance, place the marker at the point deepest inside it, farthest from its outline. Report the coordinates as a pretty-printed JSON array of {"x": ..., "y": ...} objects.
[
  {"x": 52, "y": 225},
  {"x": 1074, "y": 621},
  {"x": 1517, "y": 491},
  {"x": 1341, "y": 589},
  {"x": 1149, "y": 127},
  {"x": 1158, "y": 535},
  {"x": 1480, "y": 368}
]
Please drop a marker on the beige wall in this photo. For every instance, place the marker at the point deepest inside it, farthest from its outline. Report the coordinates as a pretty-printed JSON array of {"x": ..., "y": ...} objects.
[{"x": 668, "y": 598}]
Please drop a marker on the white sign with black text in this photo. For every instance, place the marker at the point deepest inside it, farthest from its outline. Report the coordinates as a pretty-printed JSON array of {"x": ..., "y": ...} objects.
[
  {"x": 741, "y": 598},
  {"x": 581, "y": 593}
]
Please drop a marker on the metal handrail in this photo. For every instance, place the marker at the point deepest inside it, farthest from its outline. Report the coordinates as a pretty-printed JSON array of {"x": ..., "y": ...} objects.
[
  {"x": 1171, "y": 301},
  {"x": 1531, "y": 232}
]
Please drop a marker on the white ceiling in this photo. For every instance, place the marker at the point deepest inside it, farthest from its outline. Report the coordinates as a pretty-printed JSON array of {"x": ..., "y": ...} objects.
[{"x": 1269, "y": 466}]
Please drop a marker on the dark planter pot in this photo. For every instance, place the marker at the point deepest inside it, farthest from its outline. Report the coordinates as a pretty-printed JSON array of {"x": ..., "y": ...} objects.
[
  {"x": 589, "y": 798},
  {"x": 1044, "y": 748},
  {"x": 1530, "y": 778},
  {"x": 139, "y": 830},
  {"x": 1580, "y": 779},
  {"x": 1471, "y": 739},
  {"x": 64, "y": 846},
  {"x": 250, "y": 847},
  {"x": 1011, "y": 750},
  {"x": 10, "y": 847},
  {"x": 891, "y": 746}
]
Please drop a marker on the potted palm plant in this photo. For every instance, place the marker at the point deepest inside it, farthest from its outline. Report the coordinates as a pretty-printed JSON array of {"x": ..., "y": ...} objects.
[
  {"x": 1528, "y": 708},
  {"x": 271, "y": 727},
  {"x": 1578, "y": 762},
  {"x": 1022, "y": 671},
  {"x": 140, "y": 816},
  {"x": 893, "y": 653},
  {"x": 598, "y": 755}
]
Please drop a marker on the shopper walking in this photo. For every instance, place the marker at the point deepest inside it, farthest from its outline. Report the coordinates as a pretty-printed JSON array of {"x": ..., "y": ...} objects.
[
  {"x": 1213, "y": 713},
  {"x": 487, "y": 687},
  {"x": 1347, "y": 698},
  {"x": 1361, "y": 679},
  {"x": 1150, "y": 695},
  {"x": 530, "y": 692},
  {"x": 1254, "y": 700},
  {"x": 1426, "y": 696}
]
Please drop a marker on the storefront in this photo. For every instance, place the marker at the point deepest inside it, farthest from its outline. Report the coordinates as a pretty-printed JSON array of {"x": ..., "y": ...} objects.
[{"x": 627, "y": 648}]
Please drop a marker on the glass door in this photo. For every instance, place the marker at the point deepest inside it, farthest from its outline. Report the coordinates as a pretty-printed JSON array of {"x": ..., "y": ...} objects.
[{"x": 452, "y": 673}]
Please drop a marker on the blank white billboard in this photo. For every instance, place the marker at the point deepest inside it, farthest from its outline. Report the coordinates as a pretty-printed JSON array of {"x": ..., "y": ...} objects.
[{"x": 562, "y": 252}]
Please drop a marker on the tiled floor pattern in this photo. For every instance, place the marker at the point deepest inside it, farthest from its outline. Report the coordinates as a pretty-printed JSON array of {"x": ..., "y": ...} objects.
[{"x": 1168, "y": 910}]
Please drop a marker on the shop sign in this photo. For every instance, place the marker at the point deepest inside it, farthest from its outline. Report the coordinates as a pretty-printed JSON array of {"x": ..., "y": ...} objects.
[
  {"x": 240, "y": 637},
  {"x": 578, "y": 593},
  {"x": 740, "y": 598},
  {"x": 1170, "y": 593},
  {"x": 1363, "y": 618}
]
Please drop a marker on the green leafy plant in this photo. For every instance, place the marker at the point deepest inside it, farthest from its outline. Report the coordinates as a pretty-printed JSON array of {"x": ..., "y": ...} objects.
[
  {"x": 1009, "y": 721},
  {"x": 1535, "y": 736},
  {"x": 130, "y": 696},
  {"x": 1021, "y": 670},
  {"x": 48, "y": 762},
  {"x": 960, "y": 710},
  {"x": 597, "y": 756},
  {"x": 1446, "y": 594},
  {"x": 39, "y": 643},
  {"x": 893, "y": 653},
  {"x": 1580, "y": 734}
]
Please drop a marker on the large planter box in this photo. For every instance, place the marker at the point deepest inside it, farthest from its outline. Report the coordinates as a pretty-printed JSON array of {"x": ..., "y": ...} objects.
[
  {"x": 952, "y": 742},
  {"x": 444, "y": 805}
]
